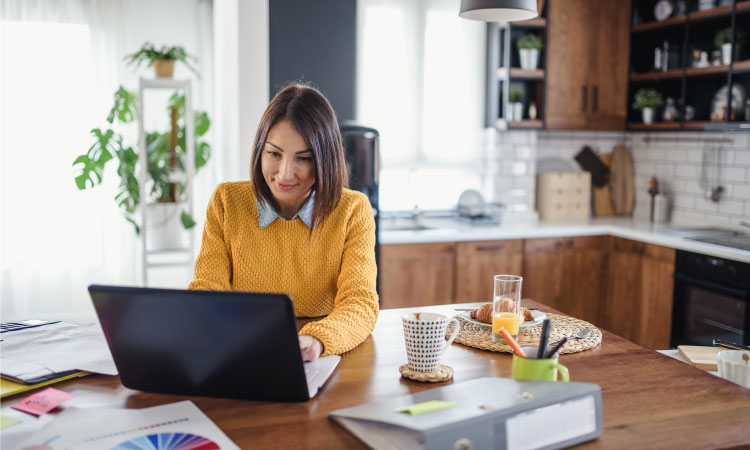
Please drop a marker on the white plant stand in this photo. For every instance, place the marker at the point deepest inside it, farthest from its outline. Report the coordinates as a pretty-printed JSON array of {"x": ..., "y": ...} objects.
[{"x": 172, "y": 257}]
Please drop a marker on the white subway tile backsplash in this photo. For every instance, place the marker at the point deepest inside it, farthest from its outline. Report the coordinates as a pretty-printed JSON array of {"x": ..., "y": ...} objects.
[
  {"x": 742, "y": 157},
  {"x": 733, "y": 174},
  {"x": 740, "y": 191},
  {"x": 687, "y": 171},
  {"x": 735, "y": 207}
]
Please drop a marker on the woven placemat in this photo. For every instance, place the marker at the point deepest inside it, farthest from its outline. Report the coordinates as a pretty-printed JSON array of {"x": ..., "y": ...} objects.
[
  {"x": 477, "y": 336},
  {"x": 443, "y": 373}
]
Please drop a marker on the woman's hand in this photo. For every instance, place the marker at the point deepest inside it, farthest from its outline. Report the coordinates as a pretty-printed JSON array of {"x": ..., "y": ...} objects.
[{"x": 311, "y": 347}]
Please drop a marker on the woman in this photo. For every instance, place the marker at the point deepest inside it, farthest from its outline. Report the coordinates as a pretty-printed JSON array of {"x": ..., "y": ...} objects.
[{"x": 295, "y": 228}]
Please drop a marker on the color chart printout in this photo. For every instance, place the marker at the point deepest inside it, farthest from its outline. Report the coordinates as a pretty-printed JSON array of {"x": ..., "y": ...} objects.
[{"x": 177, "y": 426}]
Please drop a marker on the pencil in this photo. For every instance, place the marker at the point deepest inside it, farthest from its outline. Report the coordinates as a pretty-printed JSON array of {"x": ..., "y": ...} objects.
[{"x": 513, "y": 344}]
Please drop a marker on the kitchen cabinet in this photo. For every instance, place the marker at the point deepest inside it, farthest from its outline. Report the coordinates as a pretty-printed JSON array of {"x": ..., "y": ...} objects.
[
  {"x": 587, "y": 64},
  {"x": 478, "y": 262},
  {"x": 679, "y": 73},
  {"x": 417, "y": 274},
  {"x": 638, "y": 304},
  {"x": 568, "y": 274}
]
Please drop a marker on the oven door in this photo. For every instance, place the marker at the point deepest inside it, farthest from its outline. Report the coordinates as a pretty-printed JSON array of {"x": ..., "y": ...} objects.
[{"x": 704, "y": 311}]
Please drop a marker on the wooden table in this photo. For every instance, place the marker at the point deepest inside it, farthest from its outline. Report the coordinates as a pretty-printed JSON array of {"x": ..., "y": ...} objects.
[{"x": 649, "y": 400}]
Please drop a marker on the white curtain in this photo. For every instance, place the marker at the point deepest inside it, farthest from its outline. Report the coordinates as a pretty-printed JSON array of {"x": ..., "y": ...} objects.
[
  {"x": 421, "y": 83},
  {"x": 60, "y": 63}
]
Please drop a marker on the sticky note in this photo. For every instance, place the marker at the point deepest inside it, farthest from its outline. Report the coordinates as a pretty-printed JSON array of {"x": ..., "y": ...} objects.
[
  {"x": 425, "y": 407},
  {"x": 43, "y": 401},
  {"x": 6, "y": 422}
]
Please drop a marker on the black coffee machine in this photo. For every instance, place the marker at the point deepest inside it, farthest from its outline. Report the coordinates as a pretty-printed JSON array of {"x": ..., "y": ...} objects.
[{"x": 362, "y": 147}]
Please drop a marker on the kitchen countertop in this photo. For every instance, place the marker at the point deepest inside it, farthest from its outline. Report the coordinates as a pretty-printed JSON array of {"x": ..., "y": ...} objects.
[{"x": 454, "y": 230}]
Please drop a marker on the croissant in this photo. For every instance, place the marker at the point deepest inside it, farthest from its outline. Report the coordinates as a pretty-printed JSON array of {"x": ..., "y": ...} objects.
[{"x": 484, "y": 314}]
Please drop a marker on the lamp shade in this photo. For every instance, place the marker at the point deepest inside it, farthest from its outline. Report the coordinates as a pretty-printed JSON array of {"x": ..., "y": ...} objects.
[{"x": 498, "y": 10}]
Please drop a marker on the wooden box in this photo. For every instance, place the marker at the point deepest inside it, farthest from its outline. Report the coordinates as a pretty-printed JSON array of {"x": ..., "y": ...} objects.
[{"x": 563, "y": 196}]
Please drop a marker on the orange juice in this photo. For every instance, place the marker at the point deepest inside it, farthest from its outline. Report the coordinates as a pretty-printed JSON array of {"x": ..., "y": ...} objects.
[{"x": 508, "y": 320}]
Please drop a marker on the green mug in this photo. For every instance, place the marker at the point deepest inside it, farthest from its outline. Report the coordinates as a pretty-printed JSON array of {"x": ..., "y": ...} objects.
[{"x": 537, "y": 369}]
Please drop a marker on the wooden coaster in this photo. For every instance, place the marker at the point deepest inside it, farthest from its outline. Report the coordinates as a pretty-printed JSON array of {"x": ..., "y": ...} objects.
[
  {"x": 477, "y": 336},
  {"x": 443, "y": 373}
]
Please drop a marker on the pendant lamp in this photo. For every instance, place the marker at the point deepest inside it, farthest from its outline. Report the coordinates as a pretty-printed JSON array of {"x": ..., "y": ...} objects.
[{"x": 501, "y": 11}]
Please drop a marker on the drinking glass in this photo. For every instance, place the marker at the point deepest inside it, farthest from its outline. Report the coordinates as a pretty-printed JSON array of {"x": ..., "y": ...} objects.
[{"x": 506, "y": 306}]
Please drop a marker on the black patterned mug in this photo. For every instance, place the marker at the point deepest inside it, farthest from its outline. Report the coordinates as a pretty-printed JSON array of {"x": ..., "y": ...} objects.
[{"x": 424, "y": 334}]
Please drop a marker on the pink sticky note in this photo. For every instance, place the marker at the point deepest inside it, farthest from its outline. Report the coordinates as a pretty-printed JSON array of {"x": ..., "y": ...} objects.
[{"x": 43, "y": 401}]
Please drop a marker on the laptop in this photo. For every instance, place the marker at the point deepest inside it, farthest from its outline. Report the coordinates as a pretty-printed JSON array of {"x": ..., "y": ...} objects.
[{"x": 206, "y": 343}]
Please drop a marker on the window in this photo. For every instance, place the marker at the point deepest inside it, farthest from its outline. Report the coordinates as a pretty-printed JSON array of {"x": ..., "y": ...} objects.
[{"x": 421, "y": 72}]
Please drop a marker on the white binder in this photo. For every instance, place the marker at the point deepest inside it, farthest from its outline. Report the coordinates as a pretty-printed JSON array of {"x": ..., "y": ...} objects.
[{"x": 492, "y": 413}]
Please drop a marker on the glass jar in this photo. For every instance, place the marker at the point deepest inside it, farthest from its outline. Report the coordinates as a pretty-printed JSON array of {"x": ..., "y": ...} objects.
[{"x": 670, "y": 111}]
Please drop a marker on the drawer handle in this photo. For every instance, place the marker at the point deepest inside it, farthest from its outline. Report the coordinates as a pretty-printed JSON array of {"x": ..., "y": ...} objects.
[{"x": 490, "y": 248}]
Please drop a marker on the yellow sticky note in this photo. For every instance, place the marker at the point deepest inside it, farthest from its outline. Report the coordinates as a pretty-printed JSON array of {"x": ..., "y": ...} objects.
[
  {"x": 8, "y": 421},
  {"x": 425, "y": 407}
]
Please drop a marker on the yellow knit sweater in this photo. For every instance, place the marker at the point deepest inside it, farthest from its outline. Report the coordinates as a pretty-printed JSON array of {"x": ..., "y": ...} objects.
[{"x": 333, "y": 274}]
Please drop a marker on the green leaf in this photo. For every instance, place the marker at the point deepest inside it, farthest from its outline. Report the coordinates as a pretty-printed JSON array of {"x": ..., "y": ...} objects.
[
  {"x": 187, "y": 220},
  {"x": 202, "y": 123},
  {"x": 125, "y": 107}
]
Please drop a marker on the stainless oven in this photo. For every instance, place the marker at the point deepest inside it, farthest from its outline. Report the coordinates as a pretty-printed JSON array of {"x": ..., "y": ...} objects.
[{"x": 711, "y": 300}]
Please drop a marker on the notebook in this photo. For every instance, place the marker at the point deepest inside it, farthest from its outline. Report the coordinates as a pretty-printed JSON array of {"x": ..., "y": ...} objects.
[{"x": 208, "y": 343}]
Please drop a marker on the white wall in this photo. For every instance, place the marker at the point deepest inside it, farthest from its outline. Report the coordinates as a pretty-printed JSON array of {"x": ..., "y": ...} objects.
[{"x": 242, "y": 80}]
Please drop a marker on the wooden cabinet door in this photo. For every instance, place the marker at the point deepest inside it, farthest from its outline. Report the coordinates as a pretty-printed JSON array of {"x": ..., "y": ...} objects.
[
  {"x": 584, "y": 277},
  {"x": 416, "y": 274},
  {"x": 543, "y": 263},
  {"x": 608, "y": 82},
  {"x": 621, "y": 313},
  {"x": 639, "y": 301},
  {"x": 657, "y": 286},
  {"x": 570, "y": 35},
  {"x": 478, "y": 262}
]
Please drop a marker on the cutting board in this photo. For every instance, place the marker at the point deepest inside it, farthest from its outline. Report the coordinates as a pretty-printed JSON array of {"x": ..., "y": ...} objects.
[
  {"x": 703, "y": 358},
  {"x": 603, "y": 195},
  {"x": 621, "y": 181}
]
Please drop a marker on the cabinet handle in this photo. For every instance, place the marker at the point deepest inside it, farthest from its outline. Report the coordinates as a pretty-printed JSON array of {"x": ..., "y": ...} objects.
[
  {"x": 595, "y": 106},
  {"x": 559, "y": 245},
  {"x": 570, "y": 243},
  {"x": 490, "y": 248},
  {"x": 585, "y": 102}
]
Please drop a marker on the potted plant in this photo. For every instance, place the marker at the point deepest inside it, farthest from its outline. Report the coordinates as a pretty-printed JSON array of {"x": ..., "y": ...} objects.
[
  {"x": 723, "y": 40},
  {"x": 165, "y": 155},
  {"x": 162, "y": 59},
  {"x": 515, "y": 97},
  {"x": 529, "y": 46},
  {"x": 647, "y": 100}
]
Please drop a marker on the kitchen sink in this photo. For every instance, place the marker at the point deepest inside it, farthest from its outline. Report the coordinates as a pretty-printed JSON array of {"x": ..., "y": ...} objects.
[{"x": 406, "y": 227}]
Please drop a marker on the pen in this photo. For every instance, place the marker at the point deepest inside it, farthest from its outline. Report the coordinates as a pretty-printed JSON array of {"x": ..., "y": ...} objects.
[
  {"x": 544, "y": 339},
  {"x": 557, "y": 346},
  {"x": 720, "y": 343}
]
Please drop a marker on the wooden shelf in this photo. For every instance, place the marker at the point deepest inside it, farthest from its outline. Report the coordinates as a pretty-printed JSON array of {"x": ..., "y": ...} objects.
[
  {"x": 701, "y": 71},
  {"x": 719, "y": 11},
  {"x": 656, "y": 75},
  {"x": 537, "y": 74},
  {"x": 741, "y": 66},
  {"x": 538, "y": 22},
  {"x": 640, "y": 126},
  {"x": 672, "y": 21},
  {"x": 695, "y": 124},
  {"x": 526, "y": 123}
]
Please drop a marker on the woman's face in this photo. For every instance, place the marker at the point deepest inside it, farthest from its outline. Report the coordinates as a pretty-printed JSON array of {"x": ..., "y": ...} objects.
[{"x": 288, "y": 167}]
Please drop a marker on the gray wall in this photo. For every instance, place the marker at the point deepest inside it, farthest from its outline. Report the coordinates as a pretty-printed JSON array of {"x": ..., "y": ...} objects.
[{"x": 315, "y": 41}]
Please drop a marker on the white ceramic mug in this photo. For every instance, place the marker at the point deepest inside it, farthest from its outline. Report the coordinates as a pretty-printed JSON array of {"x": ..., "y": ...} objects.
[
  {"x": 424, "y": 334},
  {"x": 733, "y": 367}
]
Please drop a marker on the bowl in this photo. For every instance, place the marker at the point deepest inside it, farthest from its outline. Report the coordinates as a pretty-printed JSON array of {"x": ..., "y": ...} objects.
[{"x": 733, "y": 367}]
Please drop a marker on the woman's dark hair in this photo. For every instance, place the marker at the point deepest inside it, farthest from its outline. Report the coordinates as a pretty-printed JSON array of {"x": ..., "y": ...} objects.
[{"x": 312, "y": 116}]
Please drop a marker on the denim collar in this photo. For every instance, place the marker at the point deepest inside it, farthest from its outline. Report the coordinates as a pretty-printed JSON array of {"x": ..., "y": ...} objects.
[{"x": 267, "y": 214}]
